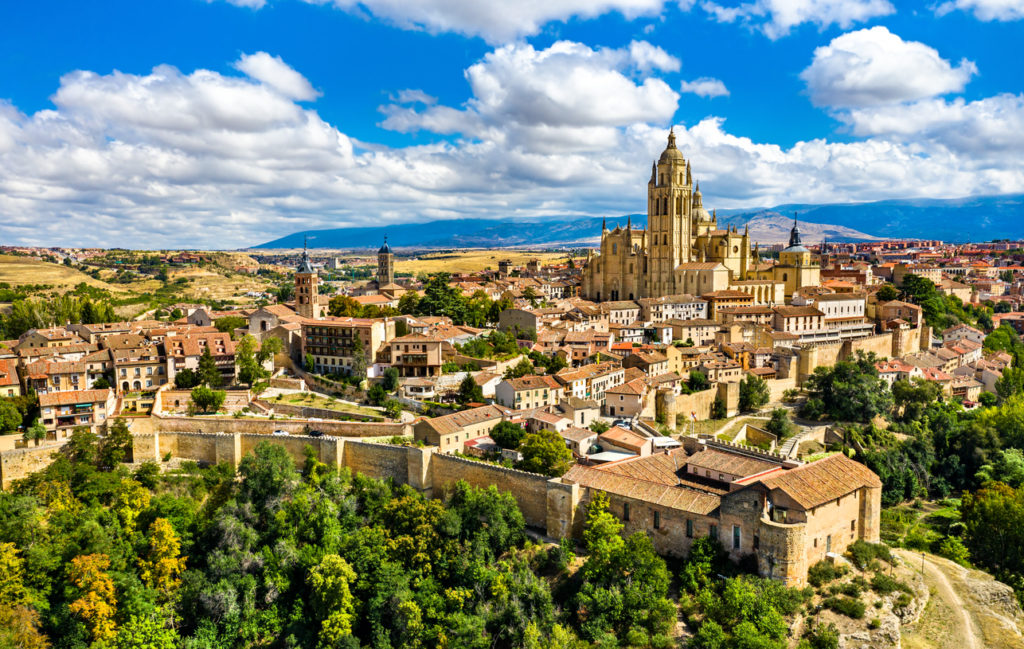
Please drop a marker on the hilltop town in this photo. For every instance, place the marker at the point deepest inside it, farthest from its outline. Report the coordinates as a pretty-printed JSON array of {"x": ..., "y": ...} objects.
[{"x": 701, "y": 386}]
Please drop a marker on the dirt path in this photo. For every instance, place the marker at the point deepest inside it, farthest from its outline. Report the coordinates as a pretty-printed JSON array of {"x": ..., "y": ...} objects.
[
  {"x": 962, "y": 626},
  {"x": 954, "y": 618}
]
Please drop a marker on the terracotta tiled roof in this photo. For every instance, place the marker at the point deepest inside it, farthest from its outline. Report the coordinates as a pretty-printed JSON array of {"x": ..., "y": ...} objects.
[
  {"x": 823, "y": 481},
  {"x": 533, "y": 382},
  {"x": 732, "y": 463},
  {"x": 624, "y": 438},
  {"x": 673, "y": 497},
  {"x": 457, "y": 420},
  {"x": 635, "y": 387},
  {"x": 72, "y": 397},
  {"x": 8, "y": 374}
]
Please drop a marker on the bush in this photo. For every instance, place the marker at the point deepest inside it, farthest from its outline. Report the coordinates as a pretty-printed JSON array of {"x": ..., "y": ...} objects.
[
  {"x": 862, "y": 553},
  {"x": 847, "y": 606},
  {"x": 883, "y": 584},
  {"x": 903, "y": 600},
  {"x": 820, "y": 636},
  {"x": 874, "y": 623},
  {"x": 823, "y": 572}
]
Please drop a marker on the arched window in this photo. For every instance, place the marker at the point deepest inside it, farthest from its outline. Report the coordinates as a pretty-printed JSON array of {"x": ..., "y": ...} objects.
[
  {"x": 735, "y": 249},
  {"x": 785, "y": 276},
  {"x": 615, "y": 248}
]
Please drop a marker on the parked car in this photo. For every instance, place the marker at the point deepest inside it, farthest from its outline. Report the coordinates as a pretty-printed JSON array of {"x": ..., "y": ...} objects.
[
  {"x": 280, "y": 432},
  {"x": 316, "y": 433}
]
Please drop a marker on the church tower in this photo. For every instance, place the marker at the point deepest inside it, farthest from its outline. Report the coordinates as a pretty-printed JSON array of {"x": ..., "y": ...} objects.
[
  {"x": 669, "y": 200},
  {"x": 385, "y": 265},
  {"x": 306, "y": 292}
]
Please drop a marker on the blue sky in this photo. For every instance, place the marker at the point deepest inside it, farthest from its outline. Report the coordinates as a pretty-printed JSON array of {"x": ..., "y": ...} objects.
[{"x": 222, "y": 124}]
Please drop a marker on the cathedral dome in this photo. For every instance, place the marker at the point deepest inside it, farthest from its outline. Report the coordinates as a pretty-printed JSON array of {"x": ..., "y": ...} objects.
[
  {"x": 671, "y": 152},
  {"x": 385, "y": 248}
]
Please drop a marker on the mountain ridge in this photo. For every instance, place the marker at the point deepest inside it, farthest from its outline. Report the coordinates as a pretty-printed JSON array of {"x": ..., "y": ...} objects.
[{"x": 994, "y": 217}]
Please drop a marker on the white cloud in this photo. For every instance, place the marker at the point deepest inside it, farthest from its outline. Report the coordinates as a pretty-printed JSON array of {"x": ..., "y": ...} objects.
[
  {"x": 277, "y": 74},
  {"x": 872, "y": 67},
  {"x": 249, "y": 4},
  {"x": 649, "y": 57},
  {"x": 516, "y": 88},
  {"x": 202, "y": 159},
  {"x": 497, "y": 21},
  {"x": 705, "y": 87},
  {"x": 987, "y": 10},
  {"x": 776, "y": 18}
]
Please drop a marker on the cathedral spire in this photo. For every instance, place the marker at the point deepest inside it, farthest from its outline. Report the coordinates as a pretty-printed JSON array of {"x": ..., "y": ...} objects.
[
  {"x": 672, "y": 138},
  {"x": 604, "y": 225},
  {"x": 654, "y": 172},
  {"x": 689, "y": 179},
  {"x": 794, "y": 234},
  {"x": 629, "y": 223}
]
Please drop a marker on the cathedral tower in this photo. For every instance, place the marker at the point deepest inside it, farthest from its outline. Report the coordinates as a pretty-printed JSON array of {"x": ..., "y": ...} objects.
[
  {"x": 306, "y": 292},
  {"x": 385, "y": 265},
  {"x": 668, "y": 218}
]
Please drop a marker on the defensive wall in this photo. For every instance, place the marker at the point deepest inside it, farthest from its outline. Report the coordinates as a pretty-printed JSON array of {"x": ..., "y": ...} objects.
[
  {"x": 886, "y": 345},
  {"x": 672, "y": 404},
  {"x": 546, "y": 504},
  {"x": 20, "y": 462},
  {"x": 164, "y": 423}
]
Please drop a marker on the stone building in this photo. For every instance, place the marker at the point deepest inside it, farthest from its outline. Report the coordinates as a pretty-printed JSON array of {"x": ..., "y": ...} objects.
[
  {"x": 307, "y": 293},
  {"x": 787, "y": 515}
]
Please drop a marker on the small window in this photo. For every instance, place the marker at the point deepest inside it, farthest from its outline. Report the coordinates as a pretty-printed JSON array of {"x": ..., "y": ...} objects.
[
  {"x": 736, "y": 537},
  {"x": 713, "y": 532},
  {"x": 853, "y": 525},
  {"x": 657, "y": 520},
  {"x": 625, "y": 511},
  {"x": 689, "y": 528},
  {"x": 757, "y": 541}
]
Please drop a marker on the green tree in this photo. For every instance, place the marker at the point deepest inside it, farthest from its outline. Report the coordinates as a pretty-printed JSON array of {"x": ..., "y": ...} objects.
[
  {"x": 912, "y": 398},
  {"x": 309, "y": 363},
  {"x": 851, "y": 390},
  {"x": 207, "y": 399},
  {"x": 408, "y": 304},
  {"x": 440, "y": 298},
  {"x": 209, "y": 373},
  {"x": 470, "y": 391},
  {"x": 376, "y": 395},
  {"x": 544, "y": 452},
  {"x": 754, "y": 392},
  {"x": 508, "y": 435},
  {"x": 101, "y": 384},
  {"x": 344, "y": 306},
  {"x": 698, "y": 381},
  {"x": 229, "y": 323},
  {"x": 146, "y": 631},
  {"x": 994, "y": 521},
  {"x": 393, "y": 408},
  {"x": 248, "y": 367},
  {"x": 718, "y": 409},
  {"x": 520, "y": 369},
  {"x": 10, "y": 417},
  {"x": 332, "y": 600},
  {"x": 390, "y": 379},
  {"x": 117, "y": 444},
  {"x": 186, "y": 379},
  {"x": 780, "y": 424},
  {"x": 358, "y": 367},
  {"x": 887, "y": 293},
  {"x": 35, "y": 432},
  {"x": 1010, "y": 383}
]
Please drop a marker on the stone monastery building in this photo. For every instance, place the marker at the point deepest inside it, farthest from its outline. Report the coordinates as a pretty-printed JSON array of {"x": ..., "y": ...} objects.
[{"x": 683, "y": 251}]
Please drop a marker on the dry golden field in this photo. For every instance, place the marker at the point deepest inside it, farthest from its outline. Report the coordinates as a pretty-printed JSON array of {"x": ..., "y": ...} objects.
[
  {"x": 471, "y": 261},
  {"x": 23, "y": 270}
]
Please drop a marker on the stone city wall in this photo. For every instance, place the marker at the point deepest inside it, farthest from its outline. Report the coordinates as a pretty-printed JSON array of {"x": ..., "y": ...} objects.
[
  {"x": 529, "y": 489},
  {"x": 21, "y": 462},
  {"x": 777, "y": 387},
  {"x": 160, "y": 423}
]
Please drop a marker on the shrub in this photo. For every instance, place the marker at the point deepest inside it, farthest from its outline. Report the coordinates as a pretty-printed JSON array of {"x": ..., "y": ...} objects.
[
  {"x": 820, "y": 636},
  {"x": 847, "y": 606},
  {"x": 903, "y": 600},
  {"x": 861, "y": 553},
  {"x": 883, "y": 584},
  {"x": 822, "y": 572},
  {"x": 874, "y": 623}
]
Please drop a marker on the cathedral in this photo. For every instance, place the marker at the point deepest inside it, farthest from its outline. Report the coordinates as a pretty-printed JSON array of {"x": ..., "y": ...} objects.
[{"x": 684, "y": 251}]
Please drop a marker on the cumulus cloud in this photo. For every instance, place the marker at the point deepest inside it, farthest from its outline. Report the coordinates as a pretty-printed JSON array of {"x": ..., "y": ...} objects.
[
  {"x": 250, "y": 4},
  {"x": 202, "y": 159},
  {"x": 517, "y": 90},
  {"x": 987, "y": 10},
  {"x": 497, "y": 21},
  {"x": 872, "y": 67},
  {"x": 705, "y": 87},
  {"x": 277, "y": 74},
  {"x": 776, "y": 18}
]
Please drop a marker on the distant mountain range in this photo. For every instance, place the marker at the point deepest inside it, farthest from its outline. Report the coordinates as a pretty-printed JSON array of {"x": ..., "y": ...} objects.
[{"x": 972, "y": 219}]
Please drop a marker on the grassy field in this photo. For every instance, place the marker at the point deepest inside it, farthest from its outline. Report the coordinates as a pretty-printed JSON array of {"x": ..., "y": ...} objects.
[
  {"x": 471, "y": 261},
  {"x": 311, "y": 400},
  {"x": 24, "y": 270}
]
